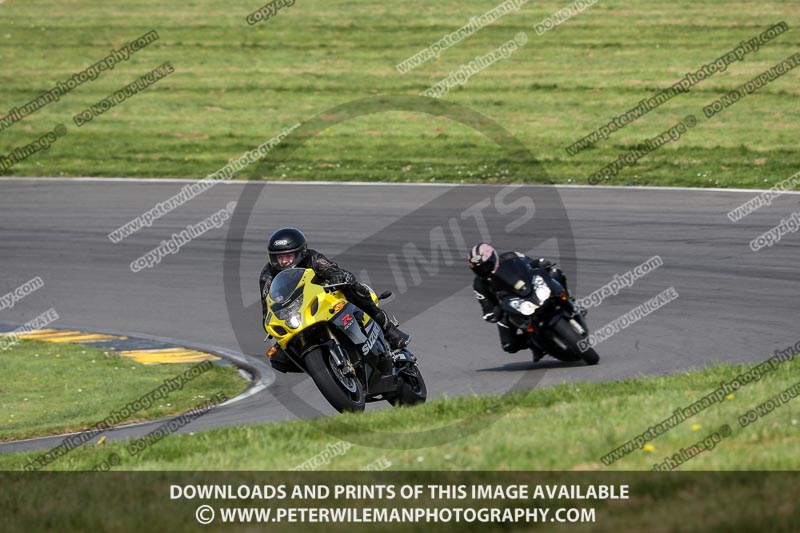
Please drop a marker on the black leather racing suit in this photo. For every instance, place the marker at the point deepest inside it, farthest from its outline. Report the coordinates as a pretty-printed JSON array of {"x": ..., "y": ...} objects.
[
  {"x": 328, "y": 272},
  {"x": 511, "y": 339}
]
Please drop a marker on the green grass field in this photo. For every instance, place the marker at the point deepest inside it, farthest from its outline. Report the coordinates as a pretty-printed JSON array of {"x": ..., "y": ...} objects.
[
  {"x": 567, "y": 427},
  {"x": 56, "y": 388},
  {"x": 235, "y": 86}
]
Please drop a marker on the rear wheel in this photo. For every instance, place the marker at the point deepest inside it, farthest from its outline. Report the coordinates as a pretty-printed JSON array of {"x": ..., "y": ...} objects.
[
  {"x": 344, "y": 393},
  {"x": 572, "y": 339},
  {"x": 411, "y": 389}
]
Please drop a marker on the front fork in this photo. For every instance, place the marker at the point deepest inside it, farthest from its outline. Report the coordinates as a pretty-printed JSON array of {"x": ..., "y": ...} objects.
[
  {"x": 339, "y": 358},
  {"x": 574, "y": 316},
  {"x": 578, "y": 317}
]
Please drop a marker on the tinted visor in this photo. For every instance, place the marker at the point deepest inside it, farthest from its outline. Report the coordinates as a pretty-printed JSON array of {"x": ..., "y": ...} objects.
[
  {"x": 273, "y": 257},
  {"x": 484, "y": 269}
]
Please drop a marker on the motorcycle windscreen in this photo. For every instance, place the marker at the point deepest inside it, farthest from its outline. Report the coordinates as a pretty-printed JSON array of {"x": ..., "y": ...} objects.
[
  {"x": 516, "y": 276},
  {"x": 285, "y": 283}
]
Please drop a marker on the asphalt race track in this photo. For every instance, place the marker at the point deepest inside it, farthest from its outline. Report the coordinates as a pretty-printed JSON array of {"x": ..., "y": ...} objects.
[{"x": 734, "y": 304}]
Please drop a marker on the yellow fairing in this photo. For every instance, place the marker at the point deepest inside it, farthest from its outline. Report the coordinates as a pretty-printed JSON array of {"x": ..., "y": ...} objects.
[{"x": 309, "y": 313}]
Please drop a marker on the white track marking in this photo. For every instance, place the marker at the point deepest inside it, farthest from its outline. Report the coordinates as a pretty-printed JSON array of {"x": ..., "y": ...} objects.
[{"x": 388, "y": 184}]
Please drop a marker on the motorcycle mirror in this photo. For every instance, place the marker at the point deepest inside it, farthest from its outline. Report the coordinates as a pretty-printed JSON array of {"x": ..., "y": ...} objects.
[{"x": 384, "y": 295}]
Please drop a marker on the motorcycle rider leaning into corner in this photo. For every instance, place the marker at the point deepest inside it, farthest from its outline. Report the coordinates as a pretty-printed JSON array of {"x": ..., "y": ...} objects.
[
  {"x": 288, "y": 248},
  {"x": 484, "y": 261}
]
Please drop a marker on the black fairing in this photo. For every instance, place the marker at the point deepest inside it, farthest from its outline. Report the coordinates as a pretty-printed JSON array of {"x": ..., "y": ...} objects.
[{"x": 514, "y": 276}]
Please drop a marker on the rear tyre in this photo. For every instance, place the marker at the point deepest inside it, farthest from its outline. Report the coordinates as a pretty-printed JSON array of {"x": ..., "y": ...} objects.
[
  {"x": 344, "y": 393},
  {"x": 412, "y": 389},
  {"x": 571, "y": 337}
]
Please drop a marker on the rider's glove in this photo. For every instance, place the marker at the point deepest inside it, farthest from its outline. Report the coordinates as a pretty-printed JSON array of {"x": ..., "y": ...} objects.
[
  {"x": 492, "y": 316},
  {"x": 344, "y": 278}
]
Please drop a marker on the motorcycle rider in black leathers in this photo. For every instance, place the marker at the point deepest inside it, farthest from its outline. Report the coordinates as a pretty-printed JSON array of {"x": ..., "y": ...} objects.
[
  {"x": 484, "y": 261},
  {"x": 288, "y": 249}
]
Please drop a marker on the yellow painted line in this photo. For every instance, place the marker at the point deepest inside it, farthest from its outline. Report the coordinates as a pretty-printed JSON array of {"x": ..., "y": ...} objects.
[
  {"x": 83, "y": 337},
  {"x": 147, "y": 357},
  {"x": 43, "y": 334},
  {"x": 30, "y": 333},
  {"x": 169, "y": 356},
  {"x": 59, "y": 335},
  {"x": 172, "y": 359}
]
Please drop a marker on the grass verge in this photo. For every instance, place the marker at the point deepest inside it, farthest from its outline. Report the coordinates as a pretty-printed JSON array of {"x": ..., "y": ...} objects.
[
  {"x": 235, "y": 86},
  {"x": 567, "y": 427},
  {"x": 50, "y": 388}
]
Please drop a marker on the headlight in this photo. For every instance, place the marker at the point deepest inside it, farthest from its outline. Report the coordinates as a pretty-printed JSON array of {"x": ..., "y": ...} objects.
[
  {"x": 527, "y": 308},
  {"x": 289, "y": 310},
  {"x": 294, "y": 321},
  {"x": 541, "y": 289},
  {"x": 523, "y": 306}
]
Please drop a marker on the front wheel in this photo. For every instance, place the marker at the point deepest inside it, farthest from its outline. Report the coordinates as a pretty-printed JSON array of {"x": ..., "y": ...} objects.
[
  {"x": 344, "y": 393},
  {"x": 412, "y": 389},
  {"x": 567, "y": 334}
]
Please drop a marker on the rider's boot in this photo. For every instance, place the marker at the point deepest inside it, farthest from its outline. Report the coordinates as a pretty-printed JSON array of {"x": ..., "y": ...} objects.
[
  {"x": 537, "y": 353},
  {"x": 397, "y": 338}
]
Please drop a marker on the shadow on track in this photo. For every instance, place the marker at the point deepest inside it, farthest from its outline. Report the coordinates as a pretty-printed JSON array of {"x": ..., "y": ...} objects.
[{"x": 521, "y": 366}]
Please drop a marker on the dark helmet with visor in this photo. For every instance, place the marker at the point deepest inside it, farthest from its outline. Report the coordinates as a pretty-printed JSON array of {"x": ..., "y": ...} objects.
[
  {"x": 287, "y": 241},
  {"x": 483, "y": 259}
]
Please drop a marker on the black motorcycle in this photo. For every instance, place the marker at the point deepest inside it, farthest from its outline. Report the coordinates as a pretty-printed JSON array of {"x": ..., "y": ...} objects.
[{"x": 539, "y": 305}]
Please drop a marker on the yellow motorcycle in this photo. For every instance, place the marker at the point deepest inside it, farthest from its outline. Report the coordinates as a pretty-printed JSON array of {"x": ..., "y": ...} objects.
[{"x": 338, "y": 345}]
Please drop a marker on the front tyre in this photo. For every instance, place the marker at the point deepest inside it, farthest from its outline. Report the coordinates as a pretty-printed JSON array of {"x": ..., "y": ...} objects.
[
  {"x": 344, "y": 393},
  {"x": 411, "y": 389},
  {"x": 568, "y": 335}
]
